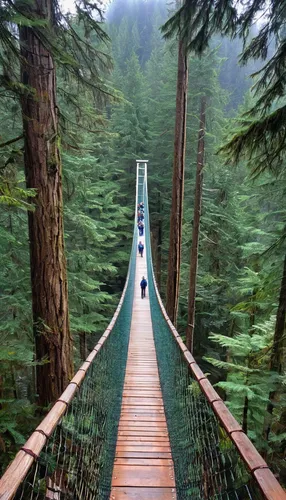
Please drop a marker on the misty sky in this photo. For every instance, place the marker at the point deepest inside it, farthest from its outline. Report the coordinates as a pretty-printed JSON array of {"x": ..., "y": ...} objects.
[{"x": 68, "y": 5}]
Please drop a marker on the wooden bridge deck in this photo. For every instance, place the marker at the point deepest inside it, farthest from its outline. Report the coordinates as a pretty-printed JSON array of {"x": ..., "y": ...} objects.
[{"x": 143, "y": 468}]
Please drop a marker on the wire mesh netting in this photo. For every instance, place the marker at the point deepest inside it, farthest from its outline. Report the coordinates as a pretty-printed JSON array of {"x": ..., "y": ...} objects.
[
  {"x": 77, "y": 461},
  {"x": 207, "y": 464}
]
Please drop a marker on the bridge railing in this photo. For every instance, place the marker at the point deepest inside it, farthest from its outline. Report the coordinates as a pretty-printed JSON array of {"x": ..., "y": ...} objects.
[
  {"x": 70, "y": 454},
  {"x": 213, "y": 457}
]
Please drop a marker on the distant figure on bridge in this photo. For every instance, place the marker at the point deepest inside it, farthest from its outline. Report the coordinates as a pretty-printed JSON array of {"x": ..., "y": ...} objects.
[
  {"x": 141, "y": 228},
  {"x": 143, "y": 285},
  {"x": 140, "y": 248},
  {"x": 140, "y": 216}
]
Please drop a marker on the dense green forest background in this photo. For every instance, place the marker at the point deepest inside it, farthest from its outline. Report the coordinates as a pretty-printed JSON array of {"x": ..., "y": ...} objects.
[{"x": 242, "y": 230}]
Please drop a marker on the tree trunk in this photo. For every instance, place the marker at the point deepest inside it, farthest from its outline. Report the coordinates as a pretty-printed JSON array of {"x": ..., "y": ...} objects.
[
  {"x": 44, "y": 173},
  {"x": 159, "y": 253},
  {"x": 158, "y": 249},
  {"x": 249, "y": 364},
  {"x": 277, "y": 358},
  {"x": 246, "y": 403},
  {"x": 196, "y": 228},
  {"x": 245, "y": 413},
  {"x": 282, "y": 444},
  {"x": 277, "y": 355},
  {"x": 83, "y": 346},
  {"x": 173, "y": 280}
]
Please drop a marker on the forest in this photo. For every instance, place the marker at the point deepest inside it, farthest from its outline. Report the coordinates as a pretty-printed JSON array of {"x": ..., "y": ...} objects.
[{"x": 197, "y": 89}]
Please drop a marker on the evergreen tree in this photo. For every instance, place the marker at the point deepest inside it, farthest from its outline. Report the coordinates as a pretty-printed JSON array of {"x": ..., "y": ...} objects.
[
  {"x": 44, "y": 174},
  {"x": 176, "y": 217},
  {"x": 38, "y": 24},
  {"x": 161, "y": 74},
  {"x": 196, "y": 227}
]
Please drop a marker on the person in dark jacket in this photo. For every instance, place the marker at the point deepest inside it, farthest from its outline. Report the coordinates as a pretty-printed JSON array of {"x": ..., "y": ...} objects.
[
  {"x": 140, "y": 228},
  {"x": 143, "y": 285},
  {"x": 140, "y": 248}
]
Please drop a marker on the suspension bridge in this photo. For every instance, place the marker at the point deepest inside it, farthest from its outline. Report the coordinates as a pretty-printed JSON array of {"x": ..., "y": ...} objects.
[{"x": 139, "y": 420}]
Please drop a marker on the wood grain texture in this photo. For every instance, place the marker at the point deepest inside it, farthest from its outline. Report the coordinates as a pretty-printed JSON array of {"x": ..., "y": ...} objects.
[
  {"x": 122, "y": 493},
  {"x": 143, "y": 466}
]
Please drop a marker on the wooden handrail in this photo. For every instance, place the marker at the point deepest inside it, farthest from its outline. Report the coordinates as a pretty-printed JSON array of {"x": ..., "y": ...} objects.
[
  {"x": 19, "y": 467},
  {"x": 267, "y": 482}
]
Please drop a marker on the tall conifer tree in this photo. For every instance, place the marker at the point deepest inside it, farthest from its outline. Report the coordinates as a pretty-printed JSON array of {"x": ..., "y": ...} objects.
[
  {"x": 44, "y": 173},
  {"x": 176, "y": 219},
  {"x": 196, "y": 227}
]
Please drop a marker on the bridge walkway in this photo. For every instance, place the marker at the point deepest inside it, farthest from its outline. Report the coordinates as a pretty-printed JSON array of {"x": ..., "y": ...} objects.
[{"x": 143, "y": 467}]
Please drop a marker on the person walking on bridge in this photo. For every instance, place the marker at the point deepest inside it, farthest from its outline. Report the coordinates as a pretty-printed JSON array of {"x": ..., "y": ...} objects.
[
  {"x": 141, "y": 228},
  {"x": 140, "y": 248},
  {"x": 143, "y": 285}
]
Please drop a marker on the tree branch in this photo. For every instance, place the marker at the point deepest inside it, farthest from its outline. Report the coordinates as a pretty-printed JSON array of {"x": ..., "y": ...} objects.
[{"x": 11, "y": 141}]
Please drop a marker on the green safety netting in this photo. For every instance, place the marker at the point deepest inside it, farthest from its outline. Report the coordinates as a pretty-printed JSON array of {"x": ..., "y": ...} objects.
[
  {"x": 207, "y": 464},
  {"x": 77, "y": 461}
]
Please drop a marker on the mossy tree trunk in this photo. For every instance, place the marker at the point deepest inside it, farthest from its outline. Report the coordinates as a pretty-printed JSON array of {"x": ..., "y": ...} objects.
[{"x": 53, "y": 342}]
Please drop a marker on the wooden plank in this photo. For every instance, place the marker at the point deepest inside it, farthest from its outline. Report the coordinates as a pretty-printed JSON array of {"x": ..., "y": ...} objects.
[
  {"x": 136, "y": 475},
  {"x": 143, "y": 454},
  {"x": 153, "y": 440},
  {"x": 154, "y": 416},
  {"x": 137, "y": 444},
  {"x": 269, "y": 484},
  {"x": 156, "y": 407},
  {"x": 140, "y": 432},
  {"x": 143, "y": 360},
  {"x": 143, "y": 428},
  {"x": 163, "y": 462},
  {"x": 140, "y": 412},
  {"x": 157, "y": 421},
  {"x": 144, "y": 393},
  {"x": 142, "y": 363},
  {"x": 131, "y": 493},
  {"x": 138, "y": 380},
  {"x": 148, "y": 365},
  {"x": 133, "y": 401},
  {"x": 141, "y": 372},
  {"x": 146, "y": 410},
  {"x": 142, "y": 388},
  {"x": 129, "y": 417}
]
